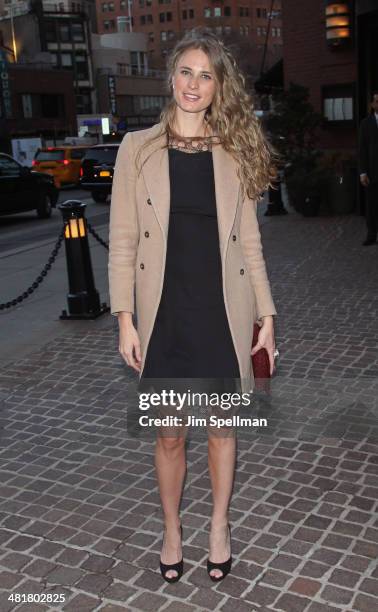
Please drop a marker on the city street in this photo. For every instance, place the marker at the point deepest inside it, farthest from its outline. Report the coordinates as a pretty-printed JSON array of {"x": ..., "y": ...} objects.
[
  {"x": 79, "y": 507},
  {"x": 25, "y": 245}
]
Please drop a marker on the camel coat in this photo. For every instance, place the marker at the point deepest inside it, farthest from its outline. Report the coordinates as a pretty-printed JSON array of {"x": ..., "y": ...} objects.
[{"x": 138, "y": 231}]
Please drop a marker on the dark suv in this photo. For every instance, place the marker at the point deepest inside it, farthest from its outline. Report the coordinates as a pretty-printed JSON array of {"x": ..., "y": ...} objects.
[
  {"x": 97, "y": 167},
  {"x": 22, "y": 190}
]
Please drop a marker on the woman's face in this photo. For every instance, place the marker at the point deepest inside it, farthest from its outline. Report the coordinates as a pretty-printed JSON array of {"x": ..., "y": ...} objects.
[{"x": 194, "y": 81}]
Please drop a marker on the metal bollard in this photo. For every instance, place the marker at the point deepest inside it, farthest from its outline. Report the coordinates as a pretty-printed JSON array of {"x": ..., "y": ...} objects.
[{"x": 83, "y": 298}]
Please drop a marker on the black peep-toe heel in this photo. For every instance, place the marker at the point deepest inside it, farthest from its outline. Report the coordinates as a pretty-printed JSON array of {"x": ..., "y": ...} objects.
[
  {"x": 223, "y": 567},
  {"x": 177, "y": 567}
]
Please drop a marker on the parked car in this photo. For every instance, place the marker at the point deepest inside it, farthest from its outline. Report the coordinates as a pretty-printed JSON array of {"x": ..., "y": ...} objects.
[
  {"x": 63, "y": 163},
  {"x": 22, "y": 189},
  {"x": 97, "y": 170}
]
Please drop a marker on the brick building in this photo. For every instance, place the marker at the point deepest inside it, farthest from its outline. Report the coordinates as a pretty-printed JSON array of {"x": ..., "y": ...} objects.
[
  {"x": 165, "y": 21},
  {"x": 331, "y": 48}
]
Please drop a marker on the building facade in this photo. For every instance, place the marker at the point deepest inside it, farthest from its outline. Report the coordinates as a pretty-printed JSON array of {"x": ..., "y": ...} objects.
[
  {"x": 165, "y": 21},
  {"x": 331, "y": 48}
]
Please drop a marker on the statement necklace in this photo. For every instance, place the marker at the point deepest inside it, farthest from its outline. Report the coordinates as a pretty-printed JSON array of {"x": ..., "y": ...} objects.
[{"x": 191, "y": 144}]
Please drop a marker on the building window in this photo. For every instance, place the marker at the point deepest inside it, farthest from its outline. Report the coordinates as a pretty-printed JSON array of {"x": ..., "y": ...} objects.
[
  {"x": 151, "y": 37},
  {"x": 83, "y": 103},
  {"x": 111, "y": 6},
  {"x": 27, "y": 106},
  {"x": 258, "y": 31},
  {"x": 50, "y": 30},
  {"x": 171, "y": 35},
  {"x": 142, "y": 19},
  {"x": 207, "y": 12},
  {"x": 122, "y": 23},
  {"x": 217, "y": 11},
  {"x": 338, "y": 102},
  {"x": 66, "y": 60},
  {"x": 149, "y": 19},
  {"x": 184, "y": 15},
  {"x": 191, "y": 13},
  {"x": 261, "y": 13},
  {"x": 169, "y": 16},
  {"x": 227, "y": 30},
  {"x": 227, "y": 11},
  {"x": 104, "y": 7},
  {"x": 64, "y": 33},
  {"x": 77, "y": 32},
  {"x": 161, "y": 17},
  {"x": 243, "y": 11},
  {"x": 123, "y": 5},
  {"x": 163, "y": 35}
]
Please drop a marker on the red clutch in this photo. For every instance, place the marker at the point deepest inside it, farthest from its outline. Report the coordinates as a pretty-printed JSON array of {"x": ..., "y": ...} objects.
[{"x": 260, "y": 364}]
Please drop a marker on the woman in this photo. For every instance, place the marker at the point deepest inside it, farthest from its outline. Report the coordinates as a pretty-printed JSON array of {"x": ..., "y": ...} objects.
[{"x": 184, "y": 234}]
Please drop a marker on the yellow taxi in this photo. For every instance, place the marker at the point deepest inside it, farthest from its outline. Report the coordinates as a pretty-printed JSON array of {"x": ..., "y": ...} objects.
[{"x": 63, "y": 163}]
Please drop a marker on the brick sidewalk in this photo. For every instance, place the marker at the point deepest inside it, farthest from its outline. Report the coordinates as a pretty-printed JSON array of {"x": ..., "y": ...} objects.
[{"x": 79, "y": 506}]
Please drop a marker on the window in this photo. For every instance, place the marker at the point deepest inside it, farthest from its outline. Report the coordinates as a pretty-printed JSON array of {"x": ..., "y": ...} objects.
[
  {"x": 163, "y": 35},
  {"x": 191, "y": 13},
  {"x": 122, "y": 23},
  {"x": 142, "y": 19},
  {"x": 227, "y": 30},
  {"x": 171, "y": 35},
  {"x": 104, "y": 7},
  {"x": 184, "y": 14},
  {"x": 217, "y": 11},
  {"x": 66, "y": 60},
  {"x": 123, "y": 5},
  {"x": 151, "y": 37},
  {"x": 8, "y": 167},
  {"x": 169, "y": 16},
  {"x": 161, "y": 17},
  {"x": 278, "y": 31},
  {"x": 83, "y": 102},
  {"x": 227, "y": 11},
  {"x": 111, "y": 6},
  {"x": 207, "y": 12},
  {"x": 27, "y": 106},
  {"x": 64, "y": 32},
  {"x": 149, "y": 19},
  {"x": 258, "y": 31},
  {"x": 243, "y": 11},
  {"x": 50, "y": 30},
  {"x": 78, "y": 153},
  {"x": 54, "y": 59},
  {"x": 338, "y": 102},
  {"x": 81, "y": 63},
  {"x": 77, "y": 32}
]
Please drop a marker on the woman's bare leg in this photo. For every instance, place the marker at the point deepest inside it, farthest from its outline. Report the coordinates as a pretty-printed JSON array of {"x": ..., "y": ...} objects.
[
  {"x": 170, "y": 464},
  {"x": 221, "y": 459}
]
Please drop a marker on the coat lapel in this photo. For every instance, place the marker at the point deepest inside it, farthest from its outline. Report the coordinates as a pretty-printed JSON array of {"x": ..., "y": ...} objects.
[{"x": 156, "y": 175}]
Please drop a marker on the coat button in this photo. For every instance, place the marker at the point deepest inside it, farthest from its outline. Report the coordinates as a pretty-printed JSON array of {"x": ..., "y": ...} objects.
[
  {"x": 142, "y": 266},
  {"x": 241, "y": 271},
  {"x": 146, "y": 234},
  {"x": 234, "y": 237},
  {"x": 149, "y": 201}
]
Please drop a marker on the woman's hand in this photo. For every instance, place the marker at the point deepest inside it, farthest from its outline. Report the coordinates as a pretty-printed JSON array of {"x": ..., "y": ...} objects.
[
  {"x": 266, "y": 340},
  {"x": 129, "y": 343}
]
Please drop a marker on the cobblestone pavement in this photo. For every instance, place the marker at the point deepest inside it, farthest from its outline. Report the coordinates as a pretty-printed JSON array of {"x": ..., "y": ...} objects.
[{"x": 79, "y": 505}]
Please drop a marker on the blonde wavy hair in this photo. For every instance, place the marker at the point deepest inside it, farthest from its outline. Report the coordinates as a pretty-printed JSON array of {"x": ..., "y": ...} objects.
[{"x": 230, "y": 116}]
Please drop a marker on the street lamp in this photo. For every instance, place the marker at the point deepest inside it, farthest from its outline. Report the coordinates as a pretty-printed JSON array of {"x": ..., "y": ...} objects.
[{"x": 338, "y": 23}]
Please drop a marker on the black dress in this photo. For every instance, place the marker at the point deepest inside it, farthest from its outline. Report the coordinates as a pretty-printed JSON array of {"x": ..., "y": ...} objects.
[{"x": 191, "y": 338}]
